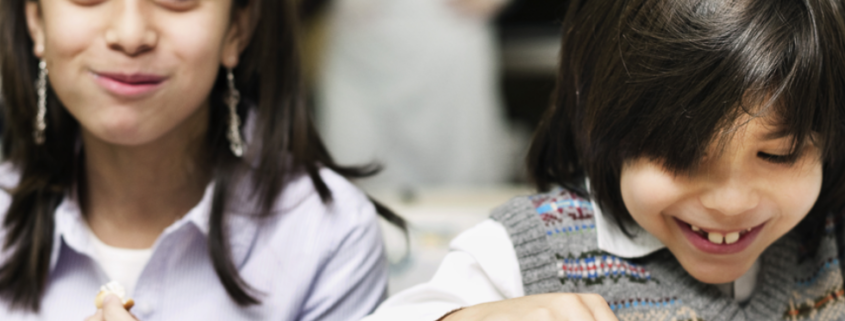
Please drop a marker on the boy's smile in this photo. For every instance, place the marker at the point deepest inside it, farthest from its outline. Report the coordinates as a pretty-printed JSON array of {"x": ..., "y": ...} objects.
[
  {"x": 719, "y": 219},
  {"x": 717, "y": 241}
]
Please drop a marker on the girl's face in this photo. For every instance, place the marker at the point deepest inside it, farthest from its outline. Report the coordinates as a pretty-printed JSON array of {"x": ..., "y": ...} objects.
[
  {"x": 133, "y": 71},
  {"x": 719, "y": 220}
]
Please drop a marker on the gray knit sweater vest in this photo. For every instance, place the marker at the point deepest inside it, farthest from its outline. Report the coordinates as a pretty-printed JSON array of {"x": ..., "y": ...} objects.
[{"x": 554, "y": 235}]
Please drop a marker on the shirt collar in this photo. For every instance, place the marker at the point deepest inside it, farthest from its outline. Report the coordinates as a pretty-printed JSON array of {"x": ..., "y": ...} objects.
[
  {"x": 612, "y": 240},
  {"x": 73, "y": 230}
]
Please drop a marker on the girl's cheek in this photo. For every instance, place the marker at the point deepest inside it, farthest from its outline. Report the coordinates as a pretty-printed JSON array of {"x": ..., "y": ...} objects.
[
  {"x": 195, "y": 34},
  {"x": 69, "y": 29}
]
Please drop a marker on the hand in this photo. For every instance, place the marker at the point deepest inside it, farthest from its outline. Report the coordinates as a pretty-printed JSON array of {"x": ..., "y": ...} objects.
[
  {"x": 112, "y": 311},
  {"x": 478, "y": 8},
  {"x": 541, "y": 307}
]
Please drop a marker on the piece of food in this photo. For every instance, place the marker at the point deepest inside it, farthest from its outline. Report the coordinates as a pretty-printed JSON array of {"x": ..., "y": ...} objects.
[{"x": 116, "y": 289}]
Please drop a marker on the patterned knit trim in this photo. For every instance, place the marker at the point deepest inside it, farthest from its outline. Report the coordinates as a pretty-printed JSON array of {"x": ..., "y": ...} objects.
[
  {"x": 572, "y": 230},
  {"x": 804, "y": 310},
  {"x": 564, "y": 213},
  {"x": 830, "y": 264},
  {"x": 644, "y": 303},
  {"x": 555, "y": 206},
  {"x": 594, "y": 267}
]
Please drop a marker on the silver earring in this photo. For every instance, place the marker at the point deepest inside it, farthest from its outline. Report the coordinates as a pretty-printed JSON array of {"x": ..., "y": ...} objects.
[
  {"x": 41, "y": 87},
  {"x": 236, "y": 144}
]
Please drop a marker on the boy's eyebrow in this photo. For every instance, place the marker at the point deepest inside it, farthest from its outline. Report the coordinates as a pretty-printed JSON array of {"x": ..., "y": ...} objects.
[{"x": 781, "y": 133}]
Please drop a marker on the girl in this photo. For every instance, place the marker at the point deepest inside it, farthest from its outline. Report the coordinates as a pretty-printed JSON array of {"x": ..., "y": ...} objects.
[
  {"x": 699, "y": 150},
  {"x": 164, "y": 145}
]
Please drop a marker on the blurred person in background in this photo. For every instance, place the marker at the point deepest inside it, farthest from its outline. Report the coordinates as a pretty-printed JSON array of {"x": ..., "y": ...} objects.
[
  {"x": 414, "y": 85},
  {"x": 165, "y": 145}
]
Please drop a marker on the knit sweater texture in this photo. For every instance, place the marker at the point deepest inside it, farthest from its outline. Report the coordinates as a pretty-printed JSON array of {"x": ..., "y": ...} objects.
[{"x": 554, "y": 235}]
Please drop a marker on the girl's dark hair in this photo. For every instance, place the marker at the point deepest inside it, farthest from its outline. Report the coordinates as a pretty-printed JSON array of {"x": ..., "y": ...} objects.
[
  {"x": 665, "y": 79},
  {"x": 272, "y": 90}
]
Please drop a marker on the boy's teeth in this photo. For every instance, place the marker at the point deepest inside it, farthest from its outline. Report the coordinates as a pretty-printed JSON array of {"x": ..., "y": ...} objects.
[
  {"x": 731, "y": 237},
  {"x": 695, "y": 228},
  {"x": 715, "y": 237}
]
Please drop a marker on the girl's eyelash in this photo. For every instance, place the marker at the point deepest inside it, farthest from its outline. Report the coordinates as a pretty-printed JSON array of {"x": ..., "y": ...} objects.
[{"x": 776, "y": 159}]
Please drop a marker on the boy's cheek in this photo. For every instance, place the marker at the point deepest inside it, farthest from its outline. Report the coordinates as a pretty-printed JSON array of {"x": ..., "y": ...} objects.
[
  {"x": 647, "y": 189},
  {"x": 798, "y": 193}
]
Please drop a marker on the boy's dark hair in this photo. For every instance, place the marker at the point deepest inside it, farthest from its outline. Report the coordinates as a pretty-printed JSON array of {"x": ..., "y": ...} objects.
[
  {"x": 664, "y": 78},
  {"x": 269, "y": 77}
]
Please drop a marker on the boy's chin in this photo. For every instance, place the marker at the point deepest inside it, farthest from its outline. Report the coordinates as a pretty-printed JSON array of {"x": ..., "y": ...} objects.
[
  {"x": 717, "y": 271},
  {"x": 717, "y": 278}
]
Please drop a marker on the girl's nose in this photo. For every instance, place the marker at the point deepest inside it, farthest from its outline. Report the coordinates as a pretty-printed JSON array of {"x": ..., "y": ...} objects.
[{"x": 129, "y": 30}]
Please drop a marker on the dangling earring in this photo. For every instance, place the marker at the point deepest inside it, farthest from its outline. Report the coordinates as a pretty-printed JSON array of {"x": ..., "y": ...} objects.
[
  {"x": 41, "y": 87},
  {"x": 236, "y": 144}
]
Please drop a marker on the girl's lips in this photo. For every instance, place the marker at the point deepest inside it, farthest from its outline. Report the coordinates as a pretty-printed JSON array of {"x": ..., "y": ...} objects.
[
  {"x": 703, "y": 244},
  {"x": 129, "y": 85}
]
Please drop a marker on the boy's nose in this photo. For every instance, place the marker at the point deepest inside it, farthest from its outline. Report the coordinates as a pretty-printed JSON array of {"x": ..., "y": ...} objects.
[{"x": 732, "y": 197}]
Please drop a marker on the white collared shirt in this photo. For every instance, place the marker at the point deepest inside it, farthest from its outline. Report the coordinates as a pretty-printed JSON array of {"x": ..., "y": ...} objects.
[{"x": 482, "y": 267}]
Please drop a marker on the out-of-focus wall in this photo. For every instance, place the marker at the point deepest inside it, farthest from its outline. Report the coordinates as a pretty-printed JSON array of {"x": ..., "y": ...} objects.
[
  {"x": 529, "y": 40},
  {"x": 525, "y": 47},
  {"x": 413, "y": 84}
]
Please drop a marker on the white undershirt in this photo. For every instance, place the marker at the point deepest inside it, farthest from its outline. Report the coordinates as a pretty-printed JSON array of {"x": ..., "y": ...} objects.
[{"x": 121, "y": 265}]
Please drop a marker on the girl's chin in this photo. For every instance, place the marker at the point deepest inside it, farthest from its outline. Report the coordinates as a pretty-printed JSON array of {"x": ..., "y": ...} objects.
[
  {"x": 126, "y": 129},
  {"x": 122, "y": 136}
]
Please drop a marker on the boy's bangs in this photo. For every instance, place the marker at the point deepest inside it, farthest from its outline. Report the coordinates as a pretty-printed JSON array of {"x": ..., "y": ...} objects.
[
  {"x": 686, "y": 94},
  {"x": 674, "y": 79}
]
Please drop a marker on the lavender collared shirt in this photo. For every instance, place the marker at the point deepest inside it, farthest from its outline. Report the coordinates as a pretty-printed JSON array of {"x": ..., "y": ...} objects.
[{"x": 308, "y": 261}]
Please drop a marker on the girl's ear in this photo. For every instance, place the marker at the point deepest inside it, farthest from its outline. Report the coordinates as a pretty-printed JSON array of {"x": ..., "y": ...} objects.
[
  {"x": 238, "y": 37},
  {"x": 35, "y": 24}
]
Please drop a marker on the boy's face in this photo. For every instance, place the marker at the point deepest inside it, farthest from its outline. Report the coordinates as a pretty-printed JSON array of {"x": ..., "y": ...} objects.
[{"x": 719, "y": 220}]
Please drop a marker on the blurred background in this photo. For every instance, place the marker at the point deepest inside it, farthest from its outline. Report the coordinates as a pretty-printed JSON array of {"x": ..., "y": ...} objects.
[{"x": 444, "y": 94}]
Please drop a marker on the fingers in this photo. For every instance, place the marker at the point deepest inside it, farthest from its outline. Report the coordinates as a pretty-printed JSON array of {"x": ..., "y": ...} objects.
[
  {"x": 96, "y": 317},
  {"x": 577, "y": 307},
  {"x": 598, "y": 307},
  {"x": 540, "y": 307},
  {"x": 573, "y": 308},
  {"x": 113, "y": 310}
]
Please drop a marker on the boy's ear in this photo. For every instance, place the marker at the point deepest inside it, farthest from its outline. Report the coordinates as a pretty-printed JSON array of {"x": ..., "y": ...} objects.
[
  {"x": 239, "y": 35},
  {"x": 35, "y": 24}
]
